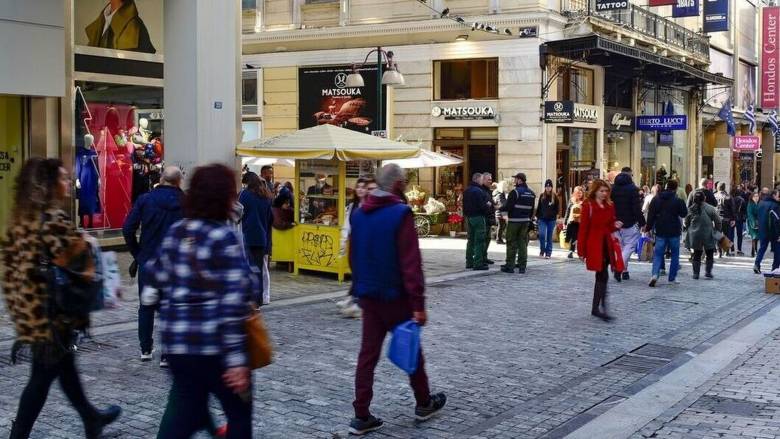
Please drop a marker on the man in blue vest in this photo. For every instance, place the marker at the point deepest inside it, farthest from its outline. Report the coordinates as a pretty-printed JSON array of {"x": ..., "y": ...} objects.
[{"x": 387, "y": 281}]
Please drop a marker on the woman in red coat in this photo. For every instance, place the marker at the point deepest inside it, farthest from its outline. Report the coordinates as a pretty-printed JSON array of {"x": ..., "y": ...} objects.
[{"x": 597, "y": 223}]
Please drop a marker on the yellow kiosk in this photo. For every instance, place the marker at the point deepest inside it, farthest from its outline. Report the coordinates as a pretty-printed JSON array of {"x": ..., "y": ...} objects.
[{"x": 328, "y": 161}]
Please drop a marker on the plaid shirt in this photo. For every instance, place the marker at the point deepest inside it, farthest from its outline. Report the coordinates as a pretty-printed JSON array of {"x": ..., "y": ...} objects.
[{"x": 204, "y": 282}]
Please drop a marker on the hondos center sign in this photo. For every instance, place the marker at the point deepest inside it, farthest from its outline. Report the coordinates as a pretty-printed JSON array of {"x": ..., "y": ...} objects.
[{"x": 769, "y": 57}]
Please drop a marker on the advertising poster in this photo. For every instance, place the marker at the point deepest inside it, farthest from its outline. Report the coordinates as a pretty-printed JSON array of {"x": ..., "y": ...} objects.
[
  {"x": 716, "y": 16},
  {"x": 769, "y": 57},
  {"x": 685, "y": 8},
  {"x": 131, "y": 25},
  {"x": 324, "y": 98}
]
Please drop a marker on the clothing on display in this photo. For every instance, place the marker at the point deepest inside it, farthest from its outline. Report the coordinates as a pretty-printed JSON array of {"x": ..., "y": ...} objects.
[{"x": 88, "y": 181}]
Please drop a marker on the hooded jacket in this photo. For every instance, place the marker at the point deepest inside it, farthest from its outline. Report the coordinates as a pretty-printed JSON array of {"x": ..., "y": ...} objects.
[
  {"x": 765, "y": 208},
  {"x": 665, "y": 215},
  {"x": 154, "y": 212},
  {"x": 475, "y": 201},
  {"x": 406, "y": 250},
  {"x": 628, "y": 205},
  {"x": 257, "y": 220}
]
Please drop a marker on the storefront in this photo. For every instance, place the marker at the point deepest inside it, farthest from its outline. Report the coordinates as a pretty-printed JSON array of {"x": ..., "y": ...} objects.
[
  {"x": 665, "y": 143},
  {"x": 577, "y": 134},
  {"x": 618, "y": 140}
]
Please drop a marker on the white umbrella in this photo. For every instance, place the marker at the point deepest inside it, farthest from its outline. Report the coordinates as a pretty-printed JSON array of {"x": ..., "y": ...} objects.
[
  {"x": 262, "y": 161},
  {"x": 427, "y": 159}
]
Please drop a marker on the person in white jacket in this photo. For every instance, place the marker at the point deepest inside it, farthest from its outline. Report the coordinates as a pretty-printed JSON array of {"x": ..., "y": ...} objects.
[{"x": 363, "y": 187}]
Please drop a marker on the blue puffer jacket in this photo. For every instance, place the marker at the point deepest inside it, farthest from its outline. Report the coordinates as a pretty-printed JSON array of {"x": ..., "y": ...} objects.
[
  {"x": 256, "y": 221},
  {"x": 765, "y": 207},
  {"x": 154, "y": 212}
]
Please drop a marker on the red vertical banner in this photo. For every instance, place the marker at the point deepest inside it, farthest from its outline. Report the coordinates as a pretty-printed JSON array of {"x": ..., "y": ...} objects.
[
  {"x": 662, "y": 2},
  {"x": 770, "y": 20}
]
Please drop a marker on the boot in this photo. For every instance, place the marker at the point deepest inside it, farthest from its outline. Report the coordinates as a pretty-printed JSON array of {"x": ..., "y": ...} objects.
[
  {"x": 696, "y": 268},
  {"x": 17, "y": 431},
  {"x": 599, "y": 308},
  {"x": 94, "y": 427},
  {"x": 708, "y": 268}
]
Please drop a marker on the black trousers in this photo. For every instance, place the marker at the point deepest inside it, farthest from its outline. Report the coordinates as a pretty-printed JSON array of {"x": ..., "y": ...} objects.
[
  {"x": 195, "y": 377},
  {"x": 37, "y": 390}
]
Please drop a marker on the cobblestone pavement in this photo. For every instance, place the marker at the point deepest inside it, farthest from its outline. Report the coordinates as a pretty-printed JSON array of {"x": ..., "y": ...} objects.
[{"x": 519, "y": 356}]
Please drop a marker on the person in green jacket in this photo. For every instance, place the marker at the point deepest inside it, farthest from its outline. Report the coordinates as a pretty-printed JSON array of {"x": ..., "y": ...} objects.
[
  {"x": 752, "y": 221},
  {"x": 701, "y": 223}
]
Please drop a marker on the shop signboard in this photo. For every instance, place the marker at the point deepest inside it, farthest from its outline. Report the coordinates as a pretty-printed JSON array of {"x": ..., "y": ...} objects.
[
  {"x": 586, "y": 113},
  {"x": 464, "y": 112},
  {"x": 662, "y": 123},
  {"x": 770, "y": 19},
  {"x": 558, "y": 112},
  {"x": 611, "y": 5},
  {"x": 747, "y": 143},
  {"x": 685, "y": 8},
  {"x": 135, "y": 26},
  {"x": 324, "y": 98},
  {"x": 661, "y": 2},
  {"x": 716, "y": 16},
  {"x": 618, "y": 119}
]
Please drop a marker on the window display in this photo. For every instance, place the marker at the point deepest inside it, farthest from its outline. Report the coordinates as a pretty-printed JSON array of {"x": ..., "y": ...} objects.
[{"x": 318, "y": 192}]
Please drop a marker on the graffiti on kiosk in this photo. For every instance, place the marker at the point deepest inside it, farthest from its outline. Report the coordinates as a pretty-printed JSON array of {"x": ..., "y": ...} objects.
[{"x": 317, "y": 249}]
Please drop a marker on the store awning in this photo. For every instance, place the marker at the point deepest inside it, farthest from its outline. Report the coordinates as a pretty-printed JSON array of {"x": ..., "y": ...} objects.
[
  {"x": 598, "y": 50},
  {"x": 327, "y": 142}
]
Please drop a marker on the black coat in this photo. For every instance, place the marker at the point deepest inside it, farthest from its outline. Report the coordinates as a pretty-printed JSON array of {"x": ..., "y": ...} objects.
[
  {"x": 475, "y": 201},
  {"x": 547, "y": 208},
  {"x": 665, "y": 214},
  {"x": 628, "y": 204}
]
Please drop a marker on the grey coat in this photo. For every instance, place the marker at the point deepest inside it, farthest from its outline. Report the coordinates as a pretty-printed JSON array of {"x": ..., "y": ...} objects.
[{"x": 699, "y": 224}]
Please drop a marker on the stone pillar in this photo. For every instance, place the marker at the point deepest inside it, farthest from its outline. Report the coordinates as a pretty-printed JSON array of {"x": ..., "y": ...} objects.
[{"x": 202, "y": 82}]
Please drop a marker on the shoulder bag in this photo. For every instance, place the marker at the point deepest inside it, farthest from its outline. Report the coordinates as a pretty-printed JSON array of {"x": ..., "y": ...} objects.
[{"x": 258, "y": 342}]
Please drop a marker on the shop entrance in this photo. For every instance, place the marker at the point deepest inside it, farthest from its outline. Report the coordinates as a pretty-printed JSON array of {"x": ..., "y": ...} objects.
[
  {"x": 477, "y": 147},
  {"x": 11, "y": 151},
  {"x": 575, "y": 157}
]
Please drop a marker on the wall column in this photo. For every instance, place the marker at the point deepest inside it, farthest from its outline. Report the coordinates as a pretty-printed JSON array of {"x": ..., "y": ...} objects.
[{"x": 202, "y": 83}]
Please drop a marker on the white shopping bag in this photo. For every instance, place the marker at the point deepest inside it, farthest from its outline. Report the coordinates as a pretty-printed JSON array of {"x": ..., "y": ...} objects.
[
  {"x": 112, "y": 280},
  {"x": 266, "y": 282}
]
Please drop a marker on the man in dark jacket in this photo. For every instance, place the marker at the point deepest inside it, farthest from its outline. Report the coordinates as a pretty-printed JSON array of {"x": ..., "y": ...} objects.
[
  {"x": 709, "y": 196},
  {"x": 490, "y": 218},
  {"x": 665, "y": 216},
  {"x": 520, "y": 208},
  {"x": 476, "y": 205},
  {"x": 628, "y": 209},
  {"x": 768, "y": 229},
  {"x": 388, "y": 283},
  {"x": 154, "y": 212}
]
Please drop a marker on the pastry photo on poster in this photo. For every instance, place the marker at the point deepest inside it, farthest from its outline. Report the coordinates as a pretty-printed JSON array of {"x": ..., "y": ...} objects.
[
  {"x": 132, "y": 25},
  {"x": 324, "y": 98}
]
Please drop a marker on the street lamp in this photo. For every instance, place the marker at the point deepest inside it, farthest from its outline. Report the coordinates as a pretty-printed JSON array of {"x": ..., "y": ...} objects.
[{"x": 390, "y": 77}]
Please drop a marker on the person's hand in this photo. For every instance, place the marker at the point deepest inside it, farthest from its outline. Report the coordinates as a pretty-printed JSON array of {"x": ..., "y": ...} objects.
[
  {"x": 618, "y": 224},
  {"x": 237, "y": 379},
  {"x": 420, "y": 317},
  {"x": 732, "y": 223}
]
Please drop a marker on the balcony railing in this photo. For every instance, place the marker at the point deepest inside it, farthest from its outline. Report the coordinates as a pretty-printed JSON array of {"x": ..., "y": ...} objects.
[{"x": 645, "y": 22}]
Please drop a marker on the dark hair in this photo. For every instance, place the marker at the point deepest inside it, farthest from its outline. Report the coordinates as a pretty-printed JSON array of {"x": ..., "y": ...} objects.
[
  {"x": 671, "y": 185},
  {"x": 698, "y": 197},
  {"x": 265, "y": 168},
  {"x": 246, "y": 175},
  {"x": 626, "y": 169},
  {"x": 288, "y": 185},
  {"x": 211, "y": 193},
  {"x": 365, "y": 181},
  {"x": 257, "y": 186},
  {"x": 34, "y": 190}
]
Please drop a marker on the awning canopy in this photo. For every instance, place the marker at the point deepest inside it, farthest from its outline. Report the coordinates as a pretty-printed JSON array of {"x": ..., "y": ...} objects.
[
  {"x": 630, "y": 60},
  {"x": 427, "y": 159},
  {"x": 262, "y": 161},
  {"x": 327, "y": 142}
]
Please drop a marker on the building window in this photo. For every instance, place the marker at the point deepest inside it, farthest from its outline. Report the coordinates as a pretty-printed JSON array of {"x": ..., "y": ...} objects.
[
  {"x": 466, "y": 79},
  {"x": 576, "y": 84},
  {"x": 250, "y": 93},
  {"x": 747, "y": 75},
  {"x": 618, "y": 91}
]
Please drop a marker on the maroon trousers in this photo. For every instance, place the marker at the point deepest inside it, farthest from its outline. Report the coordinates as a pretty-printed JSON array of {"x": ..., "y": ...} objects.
[{"x": 379, "y": 318}]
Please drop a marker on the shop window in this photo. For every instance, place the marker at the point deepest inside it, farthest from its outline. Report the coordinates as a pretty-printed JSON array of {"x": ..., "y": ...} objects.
[
  {"x": 319, "y": 179},
  {"x": 576, "y": 156},
  {"x": 250, "y": 93},
  {"x": 747, "y": 74},
  {"x": 466, "y": 79},
  {"x": 618, "y": 91},
  {"x": 483, "y": 133},
  {"x": 450, "y": 133},
  {"x": 576, "y": 84}
]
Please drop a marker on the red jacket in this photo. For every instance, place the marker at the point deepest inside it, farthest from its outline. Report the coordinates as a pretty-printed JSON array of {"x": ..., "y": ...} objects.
[{"x": 596, "y": 227}]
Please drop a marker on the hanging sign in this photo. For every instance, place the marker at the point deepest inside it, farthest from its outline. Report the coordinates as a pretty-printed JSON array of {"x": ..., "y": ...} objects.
[
  {"x": 747, "y": 143},
  {"x": 716, "y": 16},
  {"x": 770, "y": 19},
  {"x": 661, "y": 2},
  {"x": 685, "y": 8},
  {"x": 611, "y": 5},
  {"x": 586, "y": 113},
  {"x": 558, "y": 112},
  {"x": 618, "y": 119},
  {"x": 662, "y": 123}
]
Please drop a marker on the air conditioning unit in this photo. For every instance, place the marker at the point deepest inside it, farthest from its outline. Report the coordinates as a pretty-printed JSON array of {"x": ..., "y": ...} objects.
[{"x": 252, "y": 93}]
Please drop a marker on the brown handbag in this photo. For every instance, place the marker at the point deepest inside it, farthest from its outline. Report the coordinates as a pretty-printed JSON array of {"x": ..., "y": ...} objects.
[{"x": 258, "y": 342}]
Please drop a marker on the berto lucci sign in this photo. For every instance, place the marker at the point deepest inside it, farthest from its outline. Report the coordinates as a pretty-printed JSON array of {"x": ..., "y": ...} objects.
[{"x": 662, "y": 123}]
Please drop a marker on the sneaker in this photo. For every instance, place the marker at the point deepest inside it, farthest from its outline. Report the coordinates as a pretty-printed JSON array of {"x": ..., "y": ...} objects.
[
  {"x": 220, "y": 432},
  {"x": 739, "y": 253},
  {"x": 482, "y": 268},
  {"x": 506, "y": 269},
  {"x": 757, "y": 269},
  {"x": 653, "y": 281},
  {"x": 618, "y": 277},
  {"x": 434, "y": 406},
  {"x": 571, "y": 255},
  {"x": 708, "y": 275},
  {"x": 547, "y": 256},
  {"x": 352, "y": 312},
  {"x": 500, "y": 241},
  {"x": 490, "y": 261},
  {"x": 541, "y": 254},
  {"x": 626, "y": 276},
  {"x": 359, "y": 427},
  {"x": 343, "y": 303},
  {"x": 163, "y": 361},
  {"x": 146, "y": 356},
  {"x": 675, "y": 282}
]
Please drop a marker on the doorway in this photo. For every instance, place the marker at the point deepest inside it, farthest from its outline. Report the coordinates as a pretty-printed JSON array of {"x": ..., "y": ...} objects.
[{"x": 477, "y": 147}]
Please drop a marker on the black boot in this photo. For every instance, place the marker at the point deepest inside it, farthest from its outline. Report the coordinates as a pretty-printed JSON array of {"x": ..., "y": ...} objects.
[
  {"x": 708, "y": 268},
  {"x": 599, "y": 308},
  {"x": 94, "y": 427},
  {"x": 18, "y": 432},
  {"x": 696, "y": 268}
]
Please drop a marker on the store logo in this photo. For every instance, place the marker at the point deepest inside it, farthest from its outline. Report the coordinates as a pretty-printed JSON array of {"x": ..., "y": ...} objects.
[
  {"x": 341, "y": 80},
  {"x": 618, "y": 120},
  {"x": 436, "y": 111},
  {"x": 586, "y": 114},
  {"x": 558, "y": 107},
  {"x": 464, "y": 113}
]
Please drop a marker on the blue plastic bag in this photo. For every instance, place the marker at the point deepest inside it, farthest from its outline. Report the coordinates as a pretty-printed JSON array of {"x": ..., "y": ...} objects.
[{"x": 404, "y": 350}]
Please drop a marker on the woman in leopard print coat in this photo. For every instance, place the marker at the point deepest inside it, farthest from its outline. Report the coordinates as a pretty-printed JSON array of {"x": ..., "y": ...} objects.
[{"x": 39, "y": 222}]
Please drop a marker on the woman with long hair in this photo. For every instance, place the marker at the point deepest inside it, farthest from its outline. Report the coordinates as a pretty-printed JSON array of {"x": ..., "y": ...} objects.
[
  {"x": 205, "y": 290},
  {"x": 256, "y": 226},
  {"x": 572, "y": 218},
  {"x": 701, "y": 223},
  {"x": 348, "y": 306},
  {"x": 597, "y": 223},
  {"x": 40, "y": 228},
  {"x": 752, "y": 221},
  {"x": 546, "y": 216}
]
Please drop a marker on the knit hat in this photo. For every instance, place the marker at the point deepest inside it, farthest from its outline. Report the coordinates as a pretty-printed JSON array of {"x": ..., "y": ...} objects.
[{"x": 548, "y": 183}]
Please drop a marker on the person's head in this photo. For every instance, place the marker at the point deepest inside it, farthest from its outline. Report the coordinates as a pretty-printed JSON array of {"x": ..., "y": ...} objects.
[
  {"x": 371, "y": 186},
  {"x": 765, "y": 191},
  {"x": 702, "y": 183},
  {"x": 476, "y": 178},
  {"x": 599, "y": 191},
  {"x": 776, "y": 194},
  {"x": 520, "y": 178},
  {"x": 698, "y": 197},
  {"x": 656, "y": 188},
  {"x": 257, "y": 185},
  {"x": 171, "y": 176},
  {"x": 577, "y": 194},
  {"x": 267, "y": 172},
  {"x": 734, "y": 192},
  {"x": 688, "y": 188},
  {"x": 755, "y": 196},
  {"x": 390, "y": 178},
  {"x": 627, "y": 170},
  {"x": 211, "y": 193},
  {"x": 360, "y": 192},
  {"x": 246, "y": 176},
  {"x": 487, "y": 179},
  {"x": 322, "y": 179},
  {"x": 671, "y": 185},
  {"x": 721, "y": 187},
  {"x": 288, "y": 185},
  {"x": 41, "y": 183},
  {"x": 548, "y": 187}
]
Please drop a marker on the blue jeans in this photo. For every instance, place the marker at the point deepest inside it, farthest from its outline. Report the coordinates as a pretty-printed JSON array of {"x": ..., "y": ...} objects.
[
  {"x": 546, "y": 229},
  {"x": 145, "y": 316},
  {"x": 661, "y": 244},
  {"x": 764, "y": 244}
]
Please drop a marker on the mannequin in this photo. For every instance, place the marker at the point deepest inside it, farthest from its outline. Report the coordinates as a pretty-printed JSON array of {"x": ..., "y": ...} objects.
[{"x": 87, "y": 181}]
